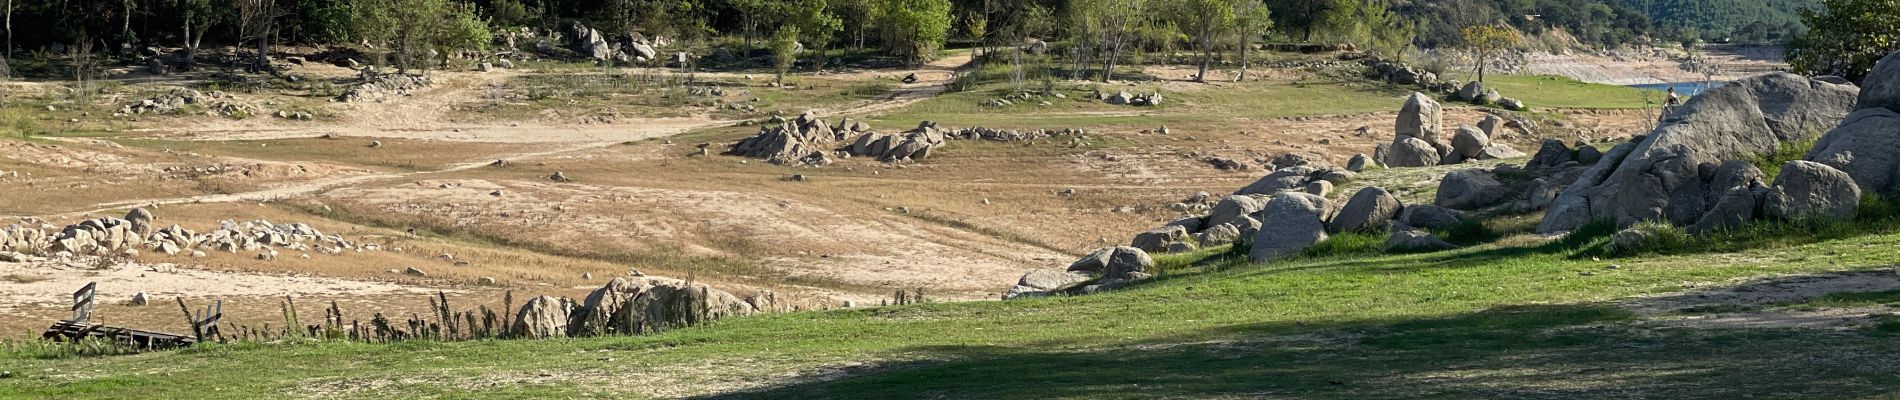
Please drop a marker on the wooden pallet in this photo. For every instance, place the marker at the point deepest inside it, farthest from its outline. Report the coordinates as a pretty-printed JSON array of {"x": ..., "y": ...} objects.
[{"x": 74, "y": 331}]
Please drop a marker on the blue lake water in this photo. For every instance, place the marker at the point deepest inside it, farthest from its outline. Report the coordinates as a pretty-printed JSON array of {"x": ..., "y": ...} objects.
[{"x": 1682, "y": 88}]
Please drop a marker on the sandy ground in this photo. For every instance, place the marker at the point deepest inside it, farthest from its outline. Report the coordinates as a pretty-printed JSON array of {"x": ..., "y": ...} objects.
[{"x": 1656, "y": 66}]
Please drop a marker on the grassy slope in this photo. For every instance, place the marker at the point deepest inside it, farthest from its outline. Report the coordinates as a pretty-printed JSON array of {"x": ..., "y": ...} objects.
[
  {"x": 1480, "y": 322},
  {"x": 1549, "y": 91}
]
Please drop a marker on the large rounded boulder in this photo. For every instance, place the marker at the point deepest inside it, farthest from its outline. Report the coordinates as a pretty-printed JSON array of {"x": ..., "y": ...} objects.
[
  {"x": 1808, "y": 189},
  {"x": 1370, "y": 209},
  {"x": 1660, "y": 176},
  {"x": 1469, "y": 189},
  {"x": 1292, "y": 222}
]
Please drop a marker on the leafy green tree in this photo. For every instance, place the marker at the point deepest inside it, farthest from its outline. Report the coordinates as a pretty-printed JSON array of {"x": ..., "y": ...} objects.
[
  {"x": 1846, "y": 38},
  {"x": 784, "y": 51},
  {"x": 414, "y": 27},
  {"x": 1307, "y": 17},
  {"x": 1208, "y": 22},
  {"x": 916, "y": 29},
  {"x": 1252, "y": 20}
]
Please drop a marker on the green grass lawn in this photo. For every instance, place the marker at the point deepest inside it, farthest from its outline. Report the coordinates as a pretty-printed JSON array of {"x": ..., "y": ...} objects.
[
  {"x": 1548, "y": 91},
  {"x": 1528, "y": 320}
]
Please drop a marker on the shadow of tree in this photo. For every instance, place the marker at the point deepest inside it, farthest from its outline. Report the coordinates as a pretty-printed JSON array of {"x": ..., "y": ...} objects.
[{"x": 1539, "y": 351}]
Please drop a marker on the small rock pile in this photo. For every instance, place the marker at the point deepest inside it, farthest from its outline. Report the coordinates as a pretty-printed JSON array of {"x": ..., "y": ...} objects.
[
  {"x": 1104, "y": 269},
  {"x": 382, "y": 87},
  {"x": 1419, "y": 142},
  {"x": 1125, "y": 98},
  {"x": 215, "y": 103},
  {"x": 124, "y": 236},
  {"x": 1476, "y": 93},
  {"x": 801, "y": 141},
  {"x": 1012, "y": 135},
  {"x": 911, "y": 145}
]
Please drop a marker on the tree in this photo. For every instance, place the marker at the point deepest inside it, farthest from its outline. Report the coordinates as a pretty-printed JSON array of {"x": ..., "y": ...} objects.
[
  {"x": 1307, "y": 16},
  {"x": 1209, "y": 22},
  {"x": 198, "y": 19},
  {"x": 1487, "y": 43},
  {"x": 1121, "y": 25},
  {"x": 916, "y": 29},
  {"x": 257, "y": 22},
  {"x": 413, "y": 27},
  {"x": 1846, "y": 38},
  {"x": 784, "y": 51},
  {"x": 1251, "y": 21}
]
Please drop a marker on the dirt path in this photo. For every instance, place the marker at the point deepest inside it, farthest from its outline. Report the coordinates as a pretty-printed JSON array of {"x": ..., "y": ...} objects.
[{"x": 411, "y": 117}]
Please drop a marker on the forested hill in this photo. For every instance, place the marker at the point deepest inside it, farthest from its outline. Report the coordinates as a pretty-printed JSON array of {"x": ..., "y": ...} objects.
[
  {"x": 1748, "y": 21},
  {"x": 1610, "y": 22}
]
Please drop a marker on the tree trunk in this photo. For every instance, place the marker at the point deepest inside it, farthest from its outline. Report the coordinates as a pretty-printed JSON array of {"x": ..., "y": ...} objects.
[
  {"x": 1243, "y": 58},
  {"x": 9, "y": 29}
]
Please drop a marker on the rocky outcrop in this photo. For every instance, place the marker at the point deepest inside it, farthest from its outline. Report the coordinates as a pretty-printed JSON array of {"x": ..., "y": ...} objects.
[
  {"x": 1660, "y": 176},
  {"x": 801, "y": 141},
  {"x": 1866, "y": 145},
  {"x": 643, "y": 304},
  {"x": 911, "y": 145}
]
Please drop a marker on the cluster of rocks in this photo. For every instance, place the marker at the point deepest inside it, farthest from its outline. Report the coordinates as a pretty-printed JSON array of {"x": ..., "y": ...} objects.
[
  {"x": 1687, "y": 172},
  {"x": 108, "y": 236},
  {"x": 296, "y": 115},
  {"x": 640, "y": 305},
  {"x": 1476, "y": 93},
  {"x": 809, "y": 141},
  {"x": 380, "y": 87},
  {"x": 1397, "y": 73},
  {"x": 215, "y": 103},
  {"x": 1024, "y": 97},
  {"x": 502, "y": 63},
  {"x": 804, "y": 140},
  {"x": 911, "y": 145},
  {"x": 1013, "y": 135},
  {"x": 1551, "y": 170},
  {"x": 1103, "y": 269},
  {"x": 593, "y": 44},
  {"x": 1419, "y": 139},
  {"x": 707, "y": 90},
  {"x": 1125, "y": 98}
]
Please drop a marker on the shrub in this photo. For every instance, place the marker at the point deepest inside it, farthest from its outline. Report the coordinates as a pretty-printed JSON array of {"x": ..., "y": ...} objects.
[{"x": 1770, "y": 164}]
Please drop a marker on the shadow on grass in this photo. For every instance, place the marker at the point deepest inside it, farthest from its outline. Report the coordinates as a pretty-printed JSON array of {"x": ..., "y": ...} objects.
[{"x": 1544, "y": 351}]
